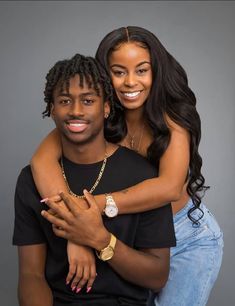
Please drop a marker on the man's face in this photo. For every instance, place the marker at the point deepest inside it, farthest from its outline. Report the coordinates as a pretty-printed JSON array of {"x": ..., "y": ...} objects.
[{"x": 79, "y": 113}]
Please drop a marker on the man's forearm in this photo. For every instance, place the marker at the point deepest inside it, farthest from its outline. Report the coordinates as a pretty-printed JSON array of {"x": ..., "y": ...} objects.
[
  {"x": 143, "y": 269},
  {"x": 34, "y": 291}
]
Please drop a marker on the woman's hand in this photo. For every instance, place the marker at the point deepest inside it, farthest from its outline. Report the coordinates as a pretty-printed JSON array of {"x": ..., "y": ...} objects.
[{"x": 82, "y": 268}]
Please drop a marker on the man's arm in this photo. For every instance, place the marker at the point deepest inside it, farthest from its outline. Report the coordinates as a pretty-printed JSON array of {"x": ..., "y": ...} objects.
[
  {"x": 33, "y": 289},
  {"x": 147, "y": 268}
]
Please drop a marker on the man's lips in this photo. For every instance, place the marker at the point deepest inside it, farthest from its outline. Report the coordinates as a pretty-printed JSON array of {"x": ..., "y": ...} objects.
[{"x": 76, "y": 126}]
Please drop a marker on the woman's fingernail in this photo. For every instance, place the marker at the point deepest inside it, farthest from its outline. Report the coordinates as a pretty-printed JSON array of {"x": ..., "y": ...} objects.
[
  {"x": 44, "y": 200},
  {"x": 67, "y": 282},
  {"x": 88, "y": 289},
  {"x": 73, "y": 288},
  {"x": 78, "y": 290}
]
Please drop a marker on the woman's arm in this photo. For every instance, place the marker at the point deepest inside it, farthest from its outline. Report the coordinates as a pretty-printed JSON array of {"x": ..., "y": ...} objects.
[
  {"x": 167, "y": 187},
  {"x": 149, "y": 194},
  {"x": 45, "y": 166}
]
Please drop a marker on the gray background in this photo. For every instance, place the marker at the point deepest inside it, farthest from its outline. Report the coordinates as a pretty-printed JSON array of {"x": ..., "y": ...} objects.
[{"x": 200, "y": 35}]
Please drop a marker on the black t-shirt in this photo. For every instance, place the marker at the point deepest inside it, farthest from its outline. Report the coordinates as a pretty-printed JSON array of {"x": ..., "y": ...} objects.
[{"x": 152, "y": 229}]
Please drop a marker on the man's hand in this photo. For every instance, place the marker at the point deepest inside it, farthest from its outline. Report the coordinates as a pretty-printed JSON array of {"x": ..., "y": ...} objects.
[
  {"x": 84, "y": 227},
  {"x": 57, "y": 199}
]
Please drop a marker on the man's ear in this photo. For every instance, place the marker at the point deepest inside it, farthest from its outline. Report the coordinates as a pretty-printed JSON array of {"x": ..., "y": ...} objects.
[{"x": 106, "y": 109}]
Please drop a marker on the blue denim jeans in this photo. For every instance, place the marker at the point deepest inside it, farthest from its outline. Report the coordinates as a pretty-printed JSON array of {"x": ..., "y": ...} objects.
[{"x": 195, "y": 261}]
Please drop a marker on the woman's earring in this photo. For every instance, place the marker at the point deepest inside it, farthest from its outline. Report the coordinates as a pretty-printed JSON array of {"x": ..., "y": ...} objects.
[{"x": 106, "y": 115}]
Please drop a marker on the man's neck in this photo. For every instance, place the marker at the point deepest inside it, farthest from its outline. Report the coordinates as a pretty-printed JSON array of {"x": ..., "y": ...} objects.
[{"x": 87, "y": 153}]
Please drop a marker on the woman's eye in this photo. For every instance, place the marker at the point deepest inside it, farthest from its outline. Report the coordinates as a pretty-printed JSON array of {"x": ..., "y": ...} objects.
[
  {"x": 118, "y": 73},
  {"x": 142, "y": 71}
]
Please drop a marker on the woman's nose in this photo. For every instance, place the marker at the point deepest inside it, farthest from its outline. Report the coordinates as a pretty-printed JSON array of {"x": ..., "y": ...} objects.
[{"x": 130, "y": 80}]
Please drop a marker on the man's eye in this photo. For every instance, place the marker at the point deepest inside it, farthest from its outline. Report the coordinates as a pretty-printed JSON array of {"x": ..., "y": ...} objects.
[
  {"x": 88, "y": 102},
  {"x": 65, "y": 101}
]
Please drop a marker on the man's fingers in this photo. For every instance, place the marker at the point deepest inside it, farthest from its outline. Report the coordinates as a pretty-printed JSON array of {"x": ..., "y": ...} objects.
[
  {"x": 90, "y": 199},
  {"x": 59, "y": 223},
  {"x": 60, "y": 232},
  {"x": 69, "y": 202},
  {"x": 59, "y": 210}
]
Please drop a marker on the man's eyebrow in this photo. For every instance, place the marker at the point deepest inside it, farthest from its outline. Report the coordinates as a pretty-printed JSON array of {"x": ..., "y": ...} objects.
[
  {"x": 64, "y": 94},
  {"x": 89, "y": 93},
  {"x": 84, "y": 94},
  {"x": 123, "y": 67}
]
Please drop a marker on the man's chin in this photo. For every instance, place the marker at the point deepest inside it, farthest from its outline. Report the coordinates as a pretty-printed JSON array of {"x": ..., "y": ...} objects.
[{"x": 76, "y": 139}]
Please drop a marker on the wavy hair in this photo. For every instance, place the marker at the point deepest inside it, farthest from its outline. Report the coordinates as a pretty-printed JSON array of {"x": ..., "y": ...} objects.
[{"x": 170, "y": 95}]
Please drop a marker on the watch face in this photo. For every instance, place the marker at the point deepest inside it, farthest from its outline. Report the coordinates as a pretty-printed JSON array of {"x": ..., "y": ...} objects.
[
  {"x": 107, "y": 254},
  {"x": 111, "y": 211}
]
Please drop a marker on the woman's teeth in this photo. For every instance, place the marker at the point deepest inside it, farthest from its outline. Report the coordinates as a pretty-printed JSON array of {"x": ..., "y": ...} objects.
[{"x": 131, "y": 94}]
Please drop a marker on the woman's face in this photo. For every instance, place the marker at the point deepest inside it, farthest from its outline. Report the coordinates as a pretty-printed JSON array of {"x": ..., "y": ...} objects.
[{"x": 131, "y": 74}]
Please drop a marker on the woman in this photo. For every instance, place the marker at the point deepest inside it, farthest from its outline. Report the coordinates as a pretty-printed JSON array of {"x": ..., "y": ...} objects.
[{"x": 156, "y": 116}]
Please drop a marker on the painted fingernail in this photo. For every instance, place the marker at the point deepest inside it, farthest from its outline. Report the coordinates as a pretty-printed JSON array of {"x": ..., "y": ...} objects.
[
  {"x": 88, "y": 290},
  {"x": 67, "y": 282},
  {"x": 73, "y": 288},
  {"x": 44, "y": 200},
  {"x": 78, "y": 290}
]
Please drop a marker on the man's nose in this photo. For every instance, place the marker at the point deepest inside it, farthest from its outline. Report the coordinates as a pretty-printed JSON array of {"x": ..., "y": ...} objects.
[{"x": 76, "y": 109}]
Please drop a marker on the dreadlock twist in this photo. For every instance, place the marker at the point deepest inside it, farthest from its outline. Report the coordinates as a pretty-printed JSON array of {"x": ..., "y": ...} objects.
[{"x": 89, "y": 71}]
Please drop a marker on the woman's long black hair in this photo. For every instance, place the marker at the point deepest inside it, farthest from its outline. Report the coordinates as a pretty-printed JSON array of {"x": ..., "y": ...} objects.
[{"x": 170, "y": 95}]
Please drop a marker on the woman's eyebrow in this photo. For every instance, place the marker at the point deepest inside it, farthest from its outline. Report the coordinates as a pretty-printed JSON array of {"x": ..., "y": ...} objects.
[{"x": 123, "y": 67}]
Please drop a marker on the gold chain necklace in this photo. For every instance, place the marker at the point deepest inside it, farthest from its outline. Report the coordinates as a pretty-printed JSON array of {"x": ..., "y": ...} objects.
[{"x": 95, "y": 184}]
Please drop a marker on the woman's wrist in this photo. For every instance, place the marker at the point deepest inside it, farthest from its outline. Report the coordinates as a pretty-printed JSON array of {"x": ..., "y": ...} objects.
[{"x": 101, "y": 201}]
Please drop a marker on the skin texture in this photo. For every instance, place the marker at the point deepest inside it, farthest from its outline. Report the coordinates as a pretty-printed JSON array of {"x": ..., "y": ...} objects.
[{"x": 128, "y": 75}]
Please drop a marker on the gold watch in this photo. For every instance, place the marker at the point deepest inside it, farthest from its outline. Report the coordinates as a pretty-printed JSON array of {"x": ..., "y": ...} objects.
[{"x": 108, "y": 252}]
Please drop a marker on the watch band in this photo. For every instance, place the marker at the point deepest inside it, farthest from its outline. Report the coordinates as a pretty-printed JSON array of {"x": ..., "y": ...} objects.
[
  {"x": 111, "y": 209},
  {"x": 107, "y": 252}
]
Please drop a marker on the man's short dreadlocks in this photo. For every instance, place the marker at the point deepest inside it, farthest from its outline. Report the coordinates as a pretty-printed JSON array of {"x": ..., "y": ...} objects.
[{"x": 88, "y": 69}]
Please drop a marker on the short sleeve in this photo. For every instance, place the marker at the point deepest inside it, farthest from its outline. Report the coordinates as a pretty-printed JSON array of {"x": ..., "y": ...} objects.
[
  {"x": 27, "y": 229},
  {"x": 156, "y": 229}
]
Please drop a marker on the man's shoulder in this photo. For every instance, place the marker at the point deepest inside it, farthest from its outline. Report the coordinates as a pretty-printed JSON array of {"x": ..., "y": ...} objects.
[{"x": 25, "y": 176}]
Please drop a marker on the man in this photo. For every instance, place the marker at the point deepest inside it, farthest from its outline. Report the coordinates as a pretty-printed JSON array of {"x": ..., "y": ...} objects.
[{"x": 132, "y": 251}]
